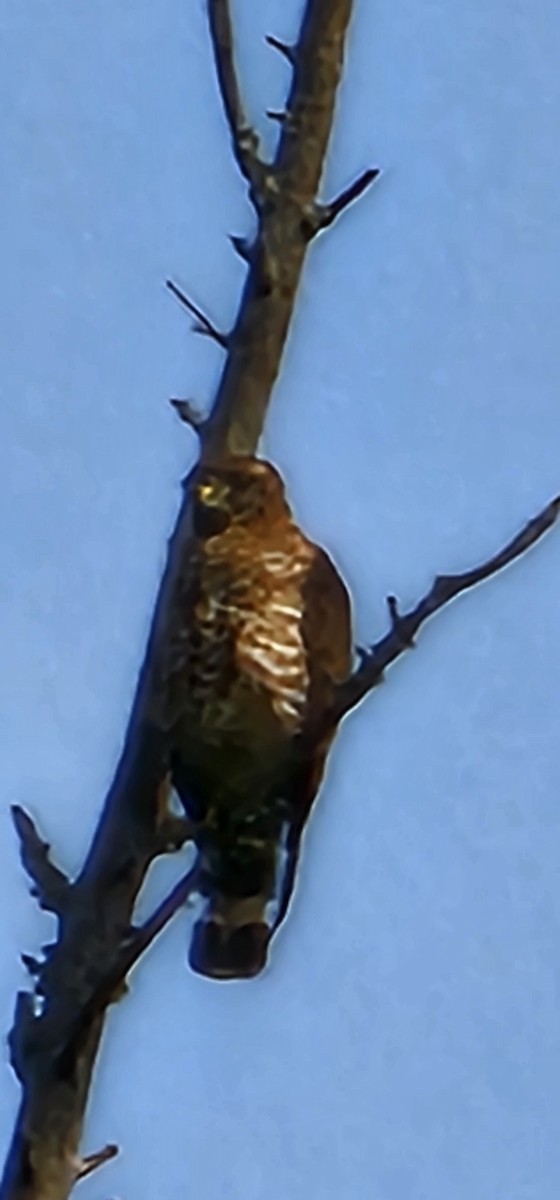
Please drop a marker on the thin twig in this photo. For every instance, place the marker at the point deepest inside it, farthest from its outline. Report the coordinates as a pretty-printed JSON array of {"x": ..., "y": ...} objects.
[
  {"x": 145, "y": 934},
  {"x": 92, "y": 1161},
  {"x": 204, "y": 325},
  {"x": 110, "y": 986},
  {"x": 323, "y": 215},
  {"x": 287, "y": 52}
]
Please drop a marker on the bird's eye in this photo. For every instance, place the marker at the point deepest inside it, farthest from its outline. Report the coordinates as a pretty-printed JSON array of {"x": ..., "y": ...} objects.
[{"x": 207, "y": 493}]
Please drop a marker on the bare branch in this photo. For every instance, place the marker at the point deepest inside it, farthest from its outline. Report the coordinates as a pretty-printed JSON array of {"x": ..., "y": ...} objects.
[
  {"x": 323, "y": 215},
  {"x": 285, "y": 193},
  {"x": 244, "y": 139},
  {"x": 445, "y": 588},
  {"x": 146, "y": 933}
]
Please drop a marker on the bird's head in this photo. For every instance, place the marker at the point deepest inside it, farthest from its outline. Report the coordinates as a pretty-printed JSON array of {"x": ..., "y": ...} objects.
[{"x": 240, "y": 490}]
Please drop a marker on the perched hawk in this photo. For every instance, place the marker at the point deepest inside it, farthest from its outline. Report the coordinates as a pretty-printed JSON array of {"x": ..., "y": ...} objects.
[{"x": 258, "y": 638}]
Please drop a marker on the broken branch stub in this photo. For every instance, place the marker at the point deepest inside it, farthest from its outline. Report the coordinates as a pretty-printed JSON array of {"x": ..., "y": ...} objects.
[{"x": 50, "y": 886}]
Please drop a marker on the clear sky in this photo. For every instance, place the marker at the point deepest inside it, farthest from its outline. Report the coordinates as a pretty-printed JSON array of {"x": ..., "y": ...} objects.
[{"x": 405, "y": 1042}]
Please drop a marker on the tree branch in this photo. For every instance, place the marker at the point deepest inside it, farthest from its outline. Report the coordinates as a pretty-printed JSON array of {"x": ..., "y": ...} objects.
[
  {"x": 285, "y": 195},
  {"x": 244, "y": 139},
  {"x": 56, "y": 1034},
  {"x": 92, "y": 1161},
  {"x": 445, "y": 588},
  {"x": 323, "y": 215}
]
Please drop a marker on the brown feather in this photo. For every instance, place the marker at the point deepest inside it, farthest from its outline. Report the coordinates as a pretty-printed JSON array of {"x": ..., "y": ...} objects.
[{"x": 258, "y": 638}]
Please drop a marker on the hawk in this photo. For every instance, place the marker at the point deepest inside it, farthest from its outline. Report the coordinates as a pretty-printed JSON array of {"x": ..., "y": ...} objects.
[{"x": 258, "y": 638}]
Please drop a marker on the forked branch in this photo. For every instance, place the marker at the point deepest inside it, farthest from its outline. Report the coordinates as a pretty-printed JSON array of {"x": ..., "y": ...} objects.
[{"x": 405, "y": 626}]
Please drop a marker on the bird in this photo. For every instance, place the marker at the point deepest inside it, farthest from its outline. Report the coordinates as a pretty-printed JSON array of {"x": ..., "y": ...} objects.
[{"x": 257, "y": 640}]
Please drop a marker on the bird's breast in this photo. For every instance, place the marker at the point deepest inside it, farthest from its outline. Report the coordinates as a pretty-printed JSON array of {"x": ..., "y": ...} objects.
[{"x": 250, "y": 640}]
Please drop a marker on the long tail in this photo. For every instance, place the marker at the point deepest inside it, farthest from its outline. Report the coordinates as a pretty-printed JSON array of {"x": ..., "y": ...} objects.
[{"x": 231, "y": 940}]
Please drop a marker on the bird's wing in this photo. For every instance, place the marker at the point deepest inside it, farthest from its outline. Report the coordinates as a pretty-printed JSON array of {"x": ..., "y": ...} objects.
[{"x": 327, "y": 629}]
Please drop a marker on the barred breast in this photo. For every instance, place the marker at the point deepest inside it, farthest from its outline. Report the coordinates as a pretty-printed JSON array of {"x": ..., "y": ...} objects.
[
  {"x": 269, "y": 645},
  {"x": 249, "y": 634}
]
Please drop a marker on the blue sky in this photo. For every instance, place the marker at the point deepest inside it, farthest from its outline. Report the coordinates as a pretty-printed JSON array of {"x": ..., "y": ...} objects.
[{"x": 405, "y": 1043}]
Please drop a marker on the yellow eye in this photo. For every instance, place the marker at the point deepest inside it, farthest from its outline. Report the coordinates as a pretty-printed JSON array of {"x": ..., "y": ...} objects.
[
  {"x": 207, "y": 492},
  {"x": 214, "y": 493}
]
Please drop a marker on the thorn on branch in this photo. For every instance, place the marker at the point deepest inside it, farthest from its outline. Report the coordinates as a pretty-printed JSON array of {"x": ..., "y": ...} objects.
[
  {"x": 203, "y": 324},
  {"x": 31, "y": 964},
  {"x": 323, "y": 215},
  {"x": 280, "y": 115},
  {"x": 242, "y": 247},
  {"x": 399, "y": 625},
  {"x": 287, "y": 52},
  {"x": 51, "y": 887},
  {"x": 86, "y": 1166},
  {"x": 189, "y": 414}
]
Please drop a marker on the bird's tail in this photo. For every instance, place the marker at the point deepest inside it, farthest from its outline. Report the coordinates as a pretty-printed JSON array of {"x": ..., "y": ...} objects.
[
  {"x": 231, "y": 940},
  {"x": 240, "y": 862}
]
